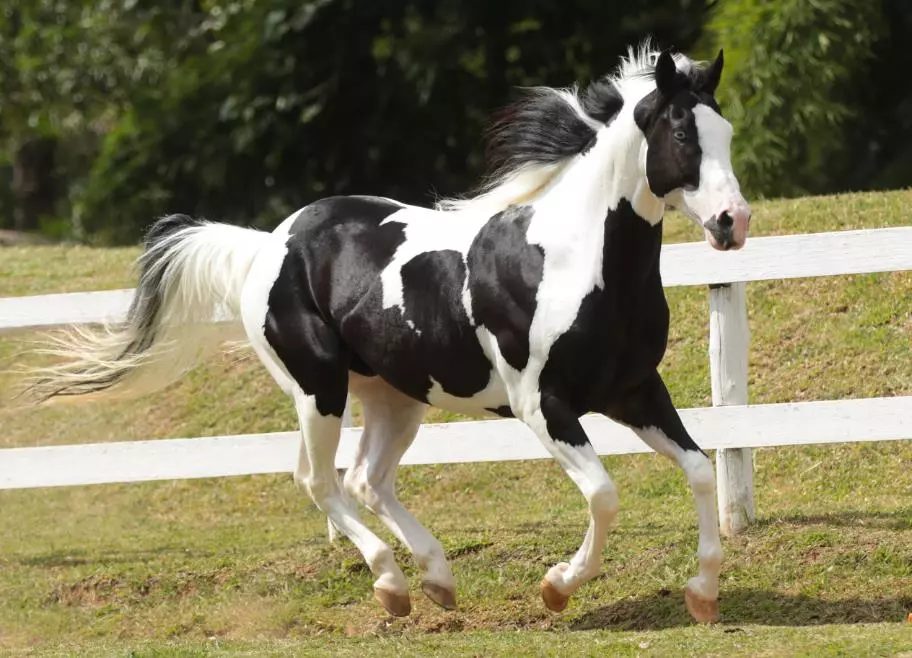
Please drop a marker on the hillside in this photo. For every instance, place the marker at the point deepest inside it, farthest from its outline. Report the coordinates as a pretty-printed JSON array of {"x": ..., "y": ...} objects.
[{"x": 243, "y": 561}]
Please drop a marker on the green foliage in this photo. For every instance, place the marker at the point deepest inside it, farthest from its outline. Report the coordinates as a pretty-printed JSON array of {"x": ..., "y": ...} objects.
[
  {"x": 242, "y": 110},
  {"x": 67, "y": 72},
  {"x": 265, "y": 106},
  {"x": 788, "y": 89}
]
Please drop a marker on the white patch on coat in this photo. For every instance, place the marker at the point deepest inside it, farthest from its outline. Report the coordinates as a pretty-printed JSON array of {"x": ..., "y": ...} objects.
[
  {"x": 493, "y": 395},
  {"x": 718, "y": 185},
  {"x": 425, "y": 231},
  {"x": 255, "y": 302}
]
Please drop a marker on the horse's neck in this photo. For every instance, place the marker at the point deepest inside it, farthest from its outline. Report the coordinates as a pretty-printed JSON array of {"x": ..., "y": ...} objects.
[{"x": 574, "y": 210}]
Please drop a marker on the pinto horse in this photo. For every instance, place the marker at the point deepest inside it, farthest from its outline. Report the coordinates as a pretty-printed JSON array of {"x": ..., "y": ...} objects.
[{"x": 539, "y": 298}]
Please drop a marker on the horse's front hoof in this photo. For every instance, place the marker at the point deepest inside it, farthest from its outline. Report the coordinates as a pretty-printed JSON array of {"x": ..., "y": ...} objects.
[
  {"x": 442, "y": 596},
  {"x": 398, "y": 605},
  {"x": 554, "y": 600},
  {"x": 704, "y": 611}
]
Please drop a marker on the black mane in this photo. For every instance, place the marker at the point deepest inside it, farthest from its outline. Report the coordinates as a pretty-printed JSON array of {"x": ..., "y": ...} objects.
[{"x": 543, "y": 128}]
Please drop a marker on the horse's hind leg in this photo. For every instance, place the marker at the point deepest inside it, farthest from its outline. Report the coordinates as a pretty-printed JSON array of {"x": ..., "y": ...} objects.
[
  {"x": 651, "y": 414},
  {"x": 309, "y": 363},
  {"x": 316, "y": 473},
  {"x": 391, "y": 420}
]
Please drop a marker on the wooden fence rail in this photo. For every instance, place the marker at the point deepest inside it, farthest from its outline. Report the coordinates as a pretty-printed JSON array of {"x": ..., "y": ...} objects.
[{"x": 731, "y": 426}]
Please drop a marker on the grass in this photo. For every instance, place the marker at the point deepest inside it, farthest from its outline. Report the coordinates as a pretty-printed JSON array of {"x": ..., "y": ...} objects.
[{"x": 241, "y": 566}]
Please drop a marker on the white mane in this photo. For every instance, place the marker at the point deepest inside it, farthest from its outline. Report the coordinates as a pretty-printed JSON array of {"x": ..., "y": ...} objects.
[{"x": 633, "y": 79}]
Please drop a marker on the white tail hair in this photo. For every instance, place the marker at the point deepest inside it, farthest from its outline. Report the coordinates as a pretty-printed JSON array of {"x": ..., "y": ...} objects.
[{"x": 190, "y": 274}]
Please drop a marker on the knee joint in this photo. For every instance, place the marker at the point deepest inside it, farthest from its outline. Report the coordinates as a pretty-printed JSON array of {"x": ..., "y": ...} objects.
[
  {"x": 319, "y": 488},
  {"x": 604, "y": 501},
  {"x": 699, "y": 472},
  {"x": 362, "y": 487}
]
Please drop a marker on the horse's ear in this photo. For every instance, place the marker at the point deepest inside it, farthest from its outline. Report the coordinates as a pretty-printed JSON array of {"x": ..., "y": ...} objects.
[
  {"x": 712, "y": 75},
  {"x": 666, "y": 74}
]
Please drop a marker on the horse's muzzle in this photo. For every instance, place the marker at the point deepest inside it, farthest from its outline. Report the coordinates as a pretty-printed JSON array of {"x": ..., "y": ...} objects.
[{"x": 728, "y": 229}]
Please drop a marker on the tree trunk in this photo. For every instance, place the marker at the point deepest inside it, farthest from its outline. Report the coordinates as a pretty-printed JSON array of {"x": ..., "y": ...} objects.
[{"x": 33, "y": 182}]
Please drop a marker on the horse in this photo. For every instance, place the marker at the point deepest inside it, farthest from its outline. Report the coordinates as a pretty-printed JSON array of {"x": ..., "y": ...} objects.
[{"x": 539, "y": 297}]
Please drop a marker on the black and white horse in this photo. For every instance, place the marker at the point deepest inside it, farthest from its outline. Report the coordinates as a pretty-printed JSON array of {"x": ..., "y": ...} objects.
[{"x": 539, "y": 298}]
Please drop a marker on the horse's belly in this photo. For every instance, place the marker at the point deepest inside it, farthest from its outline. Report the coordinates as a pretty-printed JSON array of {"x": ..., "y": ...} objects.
[{"x": 490, "y": 398}]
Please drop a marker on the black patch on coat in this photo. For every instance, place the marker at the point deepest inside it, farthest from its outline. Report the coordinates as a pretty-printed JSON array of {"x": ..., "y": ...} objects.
[
  {"x": 673, "y": 154},
  {"x": 308, "y": 347},
  {"x": 666, "y": 118},
  {"x": 447, "y": 347},
  {"x": 562, "y": 422},
  {"x": 335, "y": 248},
  {"x": 433, "y": 339},
  {"x": 505, "y": 272},
  {"x": 649, "y": 405},
  {"x": 346, "y": 244},
  {"x": 619, "y": 334}
]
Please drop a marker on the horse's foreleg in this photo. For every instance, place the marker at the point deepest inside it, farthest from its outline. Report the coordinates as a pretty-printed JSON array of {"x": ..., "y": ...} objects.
[
  {"x": 561, "y": 433},
  {"x": 651, "y": 414}
]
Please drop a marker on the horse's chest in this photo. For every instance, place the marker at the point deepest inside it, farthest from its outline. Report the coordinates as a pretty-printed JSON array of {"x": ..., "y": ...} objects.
[{"x": 617, "y": 338}]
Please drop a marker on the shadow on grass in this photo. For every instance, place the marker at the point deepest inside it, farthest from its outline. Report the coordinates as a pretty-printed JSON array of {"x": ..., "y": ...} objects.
[
  {"x": 664, "y": 609},
  {"x": 900, "y": 519},
  {"x": 71, "y": 558}
]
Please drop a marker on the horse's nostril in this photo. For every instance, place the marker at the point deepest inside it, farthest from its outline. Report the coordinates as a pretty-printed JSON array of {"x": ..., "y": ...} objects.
[{"x": 725, "y": 220}]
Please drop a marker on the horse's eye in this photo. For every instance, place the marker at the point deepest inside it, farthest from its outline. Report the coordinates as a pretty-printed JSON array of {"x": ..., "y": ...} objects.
[{"x": 680, "y": 135}]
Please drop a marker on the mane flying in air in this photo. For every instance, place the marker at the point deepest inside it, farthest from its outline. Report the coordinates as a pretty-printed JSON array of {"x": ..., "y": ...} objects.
[{"x": 532, "y": 140}]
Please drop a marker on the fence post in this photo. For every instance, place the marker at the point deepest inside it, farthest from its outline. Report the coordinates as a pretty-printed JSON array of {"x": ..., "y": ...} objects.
[
  {"x": 729, "y": 336},
  {"x": 332, "y": 533}
]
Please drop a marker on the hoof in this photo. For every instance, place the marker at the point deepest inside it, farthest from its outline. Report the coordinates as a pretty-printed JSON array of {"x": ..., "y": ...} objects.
[
  {"x": 398, "y": 605},
  {"x": 554, "y": 600},
  {"x": 445, "y": 598},
  {"x": 702, "y": 610}
]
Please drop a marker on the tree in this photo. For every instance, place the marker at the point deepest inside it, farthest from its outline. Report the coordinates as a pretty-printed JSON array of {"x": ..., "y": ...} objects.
[
  {"x": 278, "y": 103},
  {"x": 67, "y": 71},
  {"x": 792, "y": 71}
]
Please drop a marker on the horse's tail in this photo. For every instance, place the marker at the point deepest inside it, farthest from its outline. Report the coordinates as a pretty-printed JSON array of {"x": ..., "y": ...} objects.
[{"x": 190, "y": 273}]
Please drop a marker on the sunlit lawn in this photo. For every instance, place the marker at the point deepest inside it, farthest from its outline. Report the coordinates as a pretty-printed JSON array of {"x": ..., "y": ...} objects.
[{"x": 241, "y": 565}]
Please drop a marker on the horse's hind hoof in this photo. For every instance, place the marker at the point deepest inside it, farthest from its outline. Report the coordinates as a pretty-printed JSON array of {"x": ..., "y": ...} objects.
[
  {"x": 398, "y": 605},
  {"x": 702, "y": 610},
  {"x": 445, "y": 598},
  {"x": 554, "y": 600}
]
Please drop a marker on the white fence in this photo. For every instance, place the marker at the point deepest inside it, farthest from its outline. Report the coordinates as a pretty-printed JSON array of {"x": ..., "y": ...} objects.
[{"x": 731, "y": 426}]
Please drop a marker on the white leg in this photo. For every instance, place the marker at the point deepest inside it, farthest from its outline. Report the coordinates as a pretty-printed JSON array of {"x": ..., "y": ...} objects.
[
  {"x": 391, "y": 420},
  {"x": 333, "y": 535},
  {"x": 649, "y": 412},
  {"x": 702, "y": 591},
  {"x": 316, "y": 473},
  {"x": 585, "y": 468}
]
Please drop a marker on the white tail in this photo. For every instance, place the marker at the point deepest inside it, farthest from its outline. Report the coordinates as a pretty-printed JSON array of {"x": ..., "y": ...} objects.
[{"x": 191, "y": 272}]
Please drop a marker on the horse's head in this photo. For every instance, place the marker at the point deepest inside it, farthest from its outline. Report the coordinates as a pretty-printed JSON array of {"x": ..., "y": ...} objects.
[{"x": 686, "y": 152}]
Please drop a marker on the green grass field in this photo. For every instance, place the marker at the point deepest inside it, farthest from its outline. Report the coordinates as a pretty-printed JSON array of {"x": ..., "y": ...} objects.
[{"x": 241, "y": 565}]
